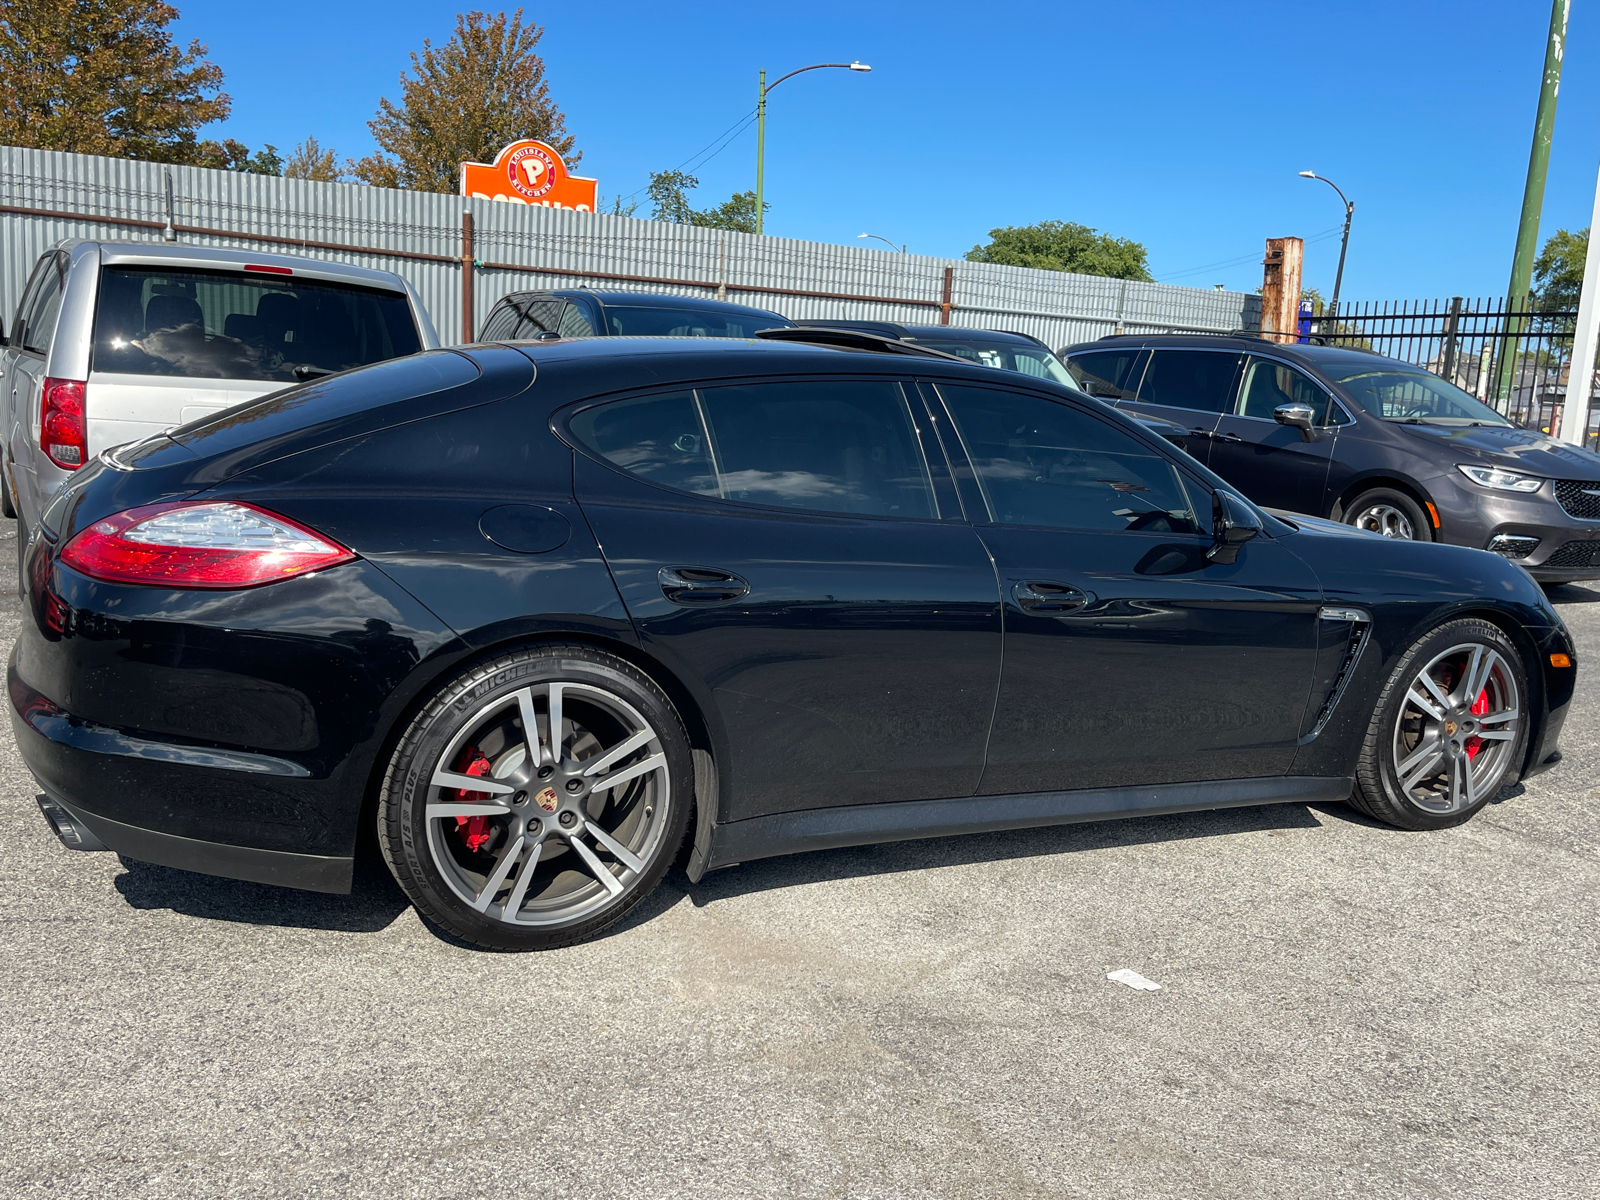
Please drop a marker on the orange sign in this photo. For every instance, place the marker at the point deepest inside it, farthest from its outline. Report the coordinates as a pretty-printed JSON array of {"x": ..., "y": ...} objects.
[{"x": 528, "y": 172}]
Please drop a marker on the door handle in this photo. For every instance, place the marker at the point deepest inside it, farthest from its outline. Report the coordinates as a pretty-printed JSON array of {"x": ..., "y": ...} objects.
[
  {"x": 1226, "y": 437},
  {"x": 701, "y": 585},
  {"x": 1199, "y": 433},
  {"x": 1042, "y": 596}
]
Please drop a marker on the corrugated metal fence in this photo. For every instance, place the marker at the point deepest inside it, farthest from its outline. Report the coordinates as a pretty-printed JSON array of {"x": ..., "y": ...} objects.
[{"x": 46, "y": 195}]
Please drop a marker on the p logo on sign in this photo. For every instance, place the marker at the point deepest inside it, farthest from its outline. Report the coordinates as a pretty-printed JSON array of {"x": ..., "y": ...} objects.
[{"x": 528, "y": 172}]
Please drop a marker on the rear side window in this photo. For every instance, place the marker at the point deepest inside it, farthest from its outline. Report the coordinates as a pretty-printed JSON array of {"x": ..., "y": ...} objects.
[
  {"x": 1040, "y": 462},
  {"x": 687, "y": 322},
  {"x": 1107, "y": 374},
  {"x": 1197, "y": 379},
  {"x": 833, "y": 446},
  {"x": 227, "y": 325},
  {"x": 39, "y": 325},
  {"x": 573, "y": 322}
]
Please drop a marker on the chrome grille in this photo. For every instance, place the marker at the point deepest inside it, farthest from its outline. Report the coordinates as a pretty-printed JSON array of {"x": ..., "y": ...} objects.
[{"x": 1581, "y": 499}]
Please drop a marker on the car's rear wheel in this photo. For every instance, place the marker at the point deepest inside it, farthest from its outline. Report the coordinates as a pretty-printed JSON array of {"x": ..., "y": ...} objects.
[
  {"x": 537, "y": 798},
  {"x": 1449, "y": 730},
  {"x": 1391, "y": 513}
]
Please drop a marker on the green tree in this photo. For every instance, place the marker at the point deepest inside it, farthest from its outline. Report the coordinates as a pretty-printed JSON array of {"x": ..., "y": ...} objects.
[
  {"x": 1064, "y": 246},
  {"x": 482, "y": 90},
  {"x": 1558, "y": 271},
  {"x": 311, "y": 161},
  {"x": 670, "y": 202},
  {"x": 104, "y": 77}
]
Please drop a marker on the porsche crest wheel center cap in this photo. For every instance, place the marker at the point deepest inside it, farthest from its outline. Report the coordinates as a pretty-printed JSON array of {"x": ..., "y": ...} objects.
[
  {"x": 1449, "y": 731},
  {"x": 546, "y": 799}
]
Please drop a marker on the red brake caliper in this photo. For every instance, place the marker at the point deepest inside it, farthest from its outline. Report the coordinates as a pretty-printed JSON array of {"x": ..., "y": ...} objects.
[
  {"x": 474, "y": 831},
  {"x": 1480, "y": 707}
]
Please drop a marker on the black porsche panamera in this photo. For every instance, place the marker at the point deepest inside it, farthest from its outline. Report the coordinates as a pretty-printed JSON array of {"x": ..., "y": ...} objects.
[{"x": 546, "y": 614}]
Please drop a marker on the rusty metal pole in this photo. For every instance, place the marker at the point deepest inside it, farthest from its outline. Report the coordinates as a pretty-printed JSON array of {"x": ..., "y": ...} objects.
[
  {"x": 468, "y": 331},
  {"x": 949, "y": 287}
]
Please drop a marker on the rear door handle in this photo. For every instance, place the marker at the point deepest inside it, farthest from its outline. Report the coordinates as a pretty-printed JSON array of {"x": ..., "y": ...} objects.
[
  {"x": 1199, "y": 433},
  {"x": 1226, "y": 437},
  {"x": 1043, "y": 596},
  {"x": 701, "y": 585}
]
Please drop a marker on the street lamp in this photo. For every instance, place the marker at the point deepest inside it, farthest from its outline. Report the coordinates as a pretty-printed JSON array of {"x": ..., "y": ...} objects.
[
  {"x": 1344, "y": 242},
  {"x": 761, "y": 126},
  {"x": 884, "y": 240}
]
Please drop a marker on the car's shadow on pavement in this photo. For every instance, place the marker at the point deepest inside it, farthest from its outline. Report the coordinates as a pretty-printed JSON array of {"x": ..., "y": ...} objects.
[
  {"x": 1571, "y": 593},
  {"x": 373, "y": 904}
]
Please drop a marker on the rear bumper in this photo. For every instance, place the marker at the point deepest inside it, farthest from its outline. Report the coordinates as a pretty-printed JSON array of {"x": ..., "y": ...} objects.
[{"x": 85, "y": 768}]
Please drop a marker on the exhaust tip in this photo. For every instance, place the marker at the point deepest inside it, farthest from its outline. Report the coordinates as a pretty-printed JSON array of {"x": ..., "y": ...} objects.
[{"x": 74, "y": 834}]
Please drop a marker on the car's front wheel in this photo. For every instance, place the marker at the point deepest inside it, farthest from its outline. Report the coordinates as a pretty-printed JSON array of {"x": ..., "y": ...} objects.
[
  {"x": 1449, "y": 730},
  {"x": 537, "y": 798},
  {"x": 1391, "y": 513}
]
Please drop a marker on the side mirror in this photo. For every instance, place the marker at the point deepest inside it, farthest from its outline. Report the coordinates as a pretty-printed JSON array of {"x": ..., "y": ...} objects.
[
  {"x": 1233, "y": 524},
  {"x": 1301, "y": 416}
]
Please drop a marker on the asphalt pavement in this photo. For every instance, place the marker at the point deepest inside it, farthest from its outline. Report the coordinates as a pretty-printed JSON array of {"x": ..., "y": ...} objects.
[{"x": 1345, "y": 1010}]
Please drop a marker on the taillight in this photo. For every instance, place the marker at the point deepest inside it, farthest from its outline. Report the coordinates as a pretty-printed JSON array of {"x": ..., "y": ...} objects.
[
  {"x": 200, "y": 544},
  {"x": 62, "y": 433}
]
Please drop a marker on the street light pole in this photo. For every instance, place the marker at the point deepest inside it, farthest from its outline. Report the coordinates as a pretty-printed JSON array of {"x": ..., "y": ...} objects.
[
  {"x": 884, "y": 240},
  {"x": 761, "y": 127},
  {"x": 1344, "y": 242}
]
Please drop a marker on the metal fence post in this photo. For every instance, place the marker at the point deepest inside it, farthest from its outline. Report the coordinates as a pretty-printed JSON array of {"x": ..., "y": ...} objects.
[
  {"x": 1448, "y": 366},
  {"x": 944, "y": 304},
  {"x": 169, "y": 234},
  {"x": 468, "y": 330}
]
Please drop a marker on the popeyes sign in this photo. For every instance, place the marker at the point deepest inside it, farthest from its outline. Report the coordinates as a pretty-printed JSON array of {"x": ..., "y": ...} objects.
[{"x": 528, "y": 172}]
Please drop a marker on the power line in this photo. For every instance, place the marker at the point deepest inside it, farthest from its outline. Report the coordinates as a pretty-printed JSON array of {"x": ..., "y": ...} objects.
[
  {"x": 715, "y": 147},
  {"x": 1321, "y": 236}
]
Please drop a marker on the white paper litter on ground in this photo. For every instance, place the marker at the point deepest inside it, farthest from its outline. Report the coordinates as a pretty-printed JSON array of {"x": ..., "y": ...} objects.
[{"x": 1133, "y": 979}]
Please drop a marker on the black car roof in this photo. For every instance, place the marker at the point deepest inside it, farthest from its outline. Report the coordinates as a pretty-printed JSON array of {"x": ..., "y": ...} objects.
[
  {"x": 923, "y": 333},
  {"x": 652, "y": 299},
  {"x": 629, "y": 362}
]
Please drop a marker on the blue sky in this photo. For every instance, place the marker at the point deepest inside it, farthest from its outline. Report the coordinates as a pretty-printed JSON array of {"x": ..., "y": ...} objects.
[{"x": 1181, "y": 125}]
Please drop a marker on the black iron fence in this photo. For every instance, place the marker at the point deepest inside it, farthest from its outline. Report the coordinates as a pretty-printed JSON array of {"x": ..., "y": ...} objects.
[{"x": 1516, "y": 362}]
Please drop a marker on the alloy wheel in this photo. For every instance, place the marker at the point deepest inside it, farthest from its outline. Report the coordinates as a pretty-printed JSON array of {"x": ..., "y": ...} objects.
[
  {"x": 1456, "y": 730},
  {"x": 548, "y": 804},
  {"x": 1385, "y": 519}
]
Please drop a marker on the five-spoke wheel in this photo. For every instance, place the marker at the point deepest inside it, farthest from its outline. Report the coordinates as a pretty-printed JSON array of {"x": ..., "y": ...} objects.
[{"x": 534, "y": 801}]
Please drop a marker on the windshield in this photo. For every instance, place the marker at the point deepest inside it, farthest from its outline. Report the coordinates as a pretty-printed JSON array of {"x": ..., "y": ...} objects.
[
  {"x": 223, "y": 325},
  {"x": 1418, "y": 397},
  {"x": 689, "y": 322},
  {"x": 1027, "y": 360}
]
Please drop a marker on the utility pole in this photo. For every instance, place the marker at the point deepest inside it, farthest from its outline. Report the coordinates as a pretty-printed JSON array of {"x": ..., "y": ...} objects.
[
  {"x": 1280, "y": 287},
  {"x": 1544, "y": 123},
  {"x": 1580, "y": 372},
  {"x": 761, "y": 128}
]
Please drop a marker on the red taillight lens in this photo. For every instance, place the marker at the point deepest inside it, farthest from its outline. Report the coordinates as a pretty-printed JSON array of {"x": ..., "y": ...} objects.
[
  {"x": 62, "y": 433},
  {"x": 205, "y": 544}
]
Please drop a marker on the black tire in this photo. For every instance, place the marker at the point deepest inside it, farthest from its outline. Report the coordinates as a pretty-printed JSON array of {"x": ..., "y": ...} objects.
[
  {"x": 1400, "y": 730},
  {"x": 1361, "y": 511},
  {"x": 558, "y": 814}
]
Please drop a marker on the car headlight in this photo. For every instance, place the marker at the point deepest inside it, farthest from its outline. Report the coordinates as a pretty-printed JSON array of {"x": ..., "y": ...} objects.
[{"x": 1501, "y": 481}]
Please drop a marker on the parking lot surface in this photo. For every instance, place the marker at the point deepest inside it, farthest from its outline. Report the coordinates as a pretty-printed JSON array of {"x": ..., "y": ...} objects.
[{"x": 1345, "y": 1010}]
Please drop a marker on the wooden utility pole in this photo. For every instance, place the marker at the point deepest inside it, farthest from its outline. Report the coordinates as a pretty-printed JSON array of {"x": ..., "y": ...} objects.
[{"x": 1280, "y": 287}]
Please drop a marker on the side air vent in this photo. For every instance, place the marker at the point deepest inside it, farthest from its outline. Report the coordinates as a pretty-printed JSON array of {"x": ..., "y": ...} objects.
[{"x": 1359, "y": 636}]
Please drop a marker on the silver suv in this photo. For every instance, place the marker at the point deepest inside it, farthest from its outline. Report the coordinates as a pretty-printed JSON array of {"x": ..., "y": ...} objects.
[{"x": 113, "y": 341}]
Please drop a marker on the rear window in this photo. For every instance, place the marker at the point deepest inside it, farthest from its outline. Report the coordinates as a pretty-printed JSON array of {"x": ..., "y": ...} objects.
[
  {"x": 227, "y": 325},
  {"x": 687, "y": 322}
]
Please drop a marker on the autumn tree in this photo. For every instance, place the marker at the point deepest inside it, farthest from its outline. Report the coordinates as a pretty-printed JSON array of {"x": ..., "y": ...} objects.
[
  {"x": 311, "y": 161},
  {"x": 104, "y": 77},
  {"x": 482, "y": 90},
  {"x": 1064, "y": 246}
]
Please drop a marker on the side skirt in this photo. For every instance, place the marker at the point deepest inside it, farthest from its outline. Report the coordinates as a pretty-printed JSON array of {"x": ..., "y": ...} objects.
[{"x": 863, "y": 824}]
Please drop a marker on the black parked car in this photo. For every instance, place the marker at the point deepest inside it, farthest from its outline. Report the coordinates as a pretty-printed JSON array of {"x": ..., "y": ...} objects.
[
  {"x": 581, "y": 313},
  {"x": 535, "y": 612},
  {"x": 998, "y": 348},
  {"x": 1359, "y": 438}
]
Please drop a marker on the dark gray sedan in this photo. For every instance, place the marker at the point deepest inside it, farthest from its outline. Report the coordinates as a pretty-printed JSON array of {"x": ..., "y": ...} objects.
[{"x": 1371, "y": 441}]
